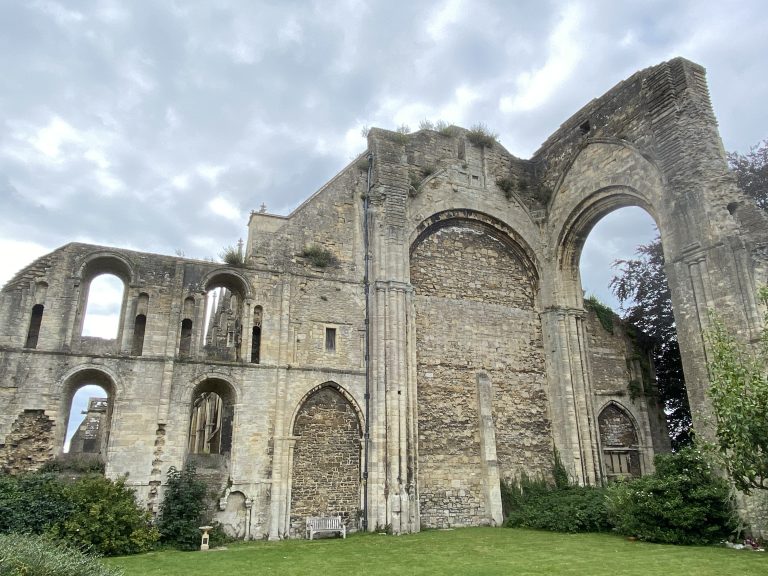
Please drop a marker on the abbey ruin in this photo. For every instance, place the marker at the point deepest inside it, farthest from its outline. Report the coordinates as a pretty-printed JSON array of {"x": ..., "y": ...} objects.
[{"x": 410, "y": 335}]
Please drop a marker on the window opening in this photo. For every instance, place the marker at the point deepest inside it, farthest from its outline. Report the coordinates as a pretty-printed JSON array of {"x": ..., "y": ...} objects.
[
  {"x": 104, "y": 303},
  {"x": 223, "y": 324},
  {"x": 34, "y": 326},
  {"x": 256, "y": 335},
  {"x": 139, "y": 327},
  {"x": 330, "y": 339},
  {"x": 185, "y": 342},
  {"x": 88, "y": 423},
  {"x": 210, "y": 425}
]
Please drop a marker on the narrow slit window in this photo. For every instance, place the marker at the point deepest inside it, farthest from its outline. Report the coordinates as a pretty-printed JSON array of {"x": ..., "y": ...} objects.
[
  {"x": 258, "y": 313},
  {"x": 34, "y": 326},
  {"x": 139, "y": 327},
  {"x": 185, "y": 342},
  {"x": 330, "y": 339}
]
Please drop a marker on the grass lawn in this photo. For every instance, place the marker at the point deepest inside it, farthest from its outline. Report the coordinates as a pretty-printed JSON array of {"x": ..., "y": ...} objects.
[{"x": 485, "y": 551}]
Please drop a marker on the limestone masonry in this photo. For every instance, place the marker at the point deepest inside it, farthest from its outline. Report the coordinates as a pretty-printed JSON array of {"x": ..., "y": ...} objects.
[{"x": 412, "y": 334}]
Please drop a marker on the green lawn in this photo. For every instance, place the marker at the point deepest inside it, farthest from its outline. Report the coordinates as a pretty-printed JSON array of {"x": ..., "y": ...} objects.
[{"x": 485, "y": 551}]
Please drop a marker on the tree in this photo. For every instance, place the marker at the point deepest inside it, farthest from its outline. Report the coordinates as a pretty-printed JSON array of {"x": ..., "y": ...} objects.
[
  {"x": 751, "y": 171},
  {"x": 738, "y": 390},
  {"x": 642, "y": 283}
]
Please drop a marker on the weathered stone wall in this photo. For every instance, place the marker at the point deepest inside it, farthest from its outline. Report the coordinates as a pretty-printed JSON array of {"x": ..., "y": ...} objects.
[
  {"x": 622, "y": 372},
  {"x": 29, "y": 444},
  {"x": 326, "y": 460},
  {"x": 474, "y": 302}
]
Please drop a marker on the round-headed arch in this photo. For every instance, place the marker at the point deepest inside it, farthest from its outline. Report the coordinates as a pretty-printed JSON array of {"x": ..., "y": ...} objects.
[
  {"x": 587, "y": 214},
  {"x": 105, "y": 262},
  {"x": 74, "y": 380},
  {"x": 229, "y": 279},
  {"x": 219, "y": 385}
]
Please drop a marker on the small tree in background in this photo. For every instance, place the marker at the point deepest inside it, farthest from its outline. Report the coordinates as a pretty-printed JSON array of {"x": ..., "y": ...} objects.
[
  {"x": 182, "y": 509},
  {"x": 751, "y": 171},
  {"x": 643, "y": 282},
  {"x": 739, "y": 393}
]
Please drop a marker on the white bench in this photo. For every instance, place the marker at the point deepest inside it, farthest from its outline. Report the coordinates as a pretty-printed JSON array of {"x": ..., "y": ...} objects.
[{"x": 317, "y": 524}]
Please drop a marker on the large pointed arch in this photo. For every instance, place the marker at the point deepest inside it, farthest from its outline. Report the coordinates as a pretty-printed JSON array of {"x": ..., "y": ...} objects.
[{"x": 326, "y": 469}]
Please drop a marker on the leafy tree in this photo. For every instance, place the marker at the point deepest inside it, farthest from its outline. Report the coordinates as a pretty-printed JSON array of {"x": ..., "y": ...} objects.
[
  {"x": 643, "y": 283},
  {"x": 739, "y": 393},
  {"x": 182, "y": 508},
  {"x": 751, "y": 171}
]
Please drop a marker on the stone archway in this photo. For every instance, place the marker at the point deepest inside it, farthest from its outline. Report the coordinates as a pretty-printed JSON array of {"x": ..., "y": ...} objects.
[{"x": 326, "y": 459}]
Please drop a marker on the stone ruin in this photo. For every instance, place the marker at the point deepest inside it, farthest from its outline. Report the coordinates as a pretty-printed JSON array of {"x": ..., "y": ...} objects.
[{"x": 409, "y": 336}]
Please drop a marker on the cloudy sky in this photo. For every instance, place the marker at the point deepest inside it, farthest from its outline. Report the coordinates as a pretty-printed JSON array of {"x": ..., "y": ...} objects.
[{"x": 159, "y": 125}]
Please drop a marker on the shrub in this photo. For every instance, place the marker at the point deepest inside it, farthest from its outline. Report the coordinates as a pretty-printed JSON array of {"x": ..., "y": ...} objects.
[
  {"x": 684, "y": 502},
  {"x": 74, "y": 463},
  {"x": 182, "y": 509},
  {"x": 28, "y": 555},
  {"x": 446, "y": 129},
  {"x": 507, "y": 185},
  {"x": 233, "y": 256},
  {"x": 535, "y": 504},
  {"x": 318, "y": 256},
  {"x": 91, "y": 512},
  {"x": 481, "y": 136},
  {"x": 105, "y": 518}
]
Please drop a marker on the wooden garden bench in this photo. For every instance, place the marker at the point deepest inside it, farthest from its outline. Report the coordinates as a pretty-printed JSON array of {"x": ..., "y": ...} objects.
[{"x": 325, "y": 524}]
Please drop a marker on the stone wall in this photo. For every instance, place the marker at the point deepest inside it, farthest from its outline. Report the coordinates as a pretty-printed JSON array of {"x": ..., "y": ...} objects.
[
  {"x": 326, "y": 460},
  {"x": 474, "y": 303},
  {"x": 29, "y": 444}
]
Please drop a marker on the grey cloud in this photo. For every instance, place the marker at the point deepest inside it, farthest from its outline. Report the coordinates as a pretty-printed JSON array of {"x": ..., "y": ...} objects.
[{"x": 161, "y": 89}]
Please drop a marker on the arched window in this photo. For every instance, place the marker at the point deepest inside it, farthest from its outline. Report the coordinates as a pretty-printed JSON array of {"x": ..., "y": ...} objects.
[
  {"x": 104, "y": 303},
  {"x": 210, "y": 424},
  {"x": 34, "y": 326},
  {"x": 140, "y": 324},
  {"x": 619, "y": 440},
  {"x": 88, "y": 401},
  {"x": 256, "y": 335},
  {"x": 185, "y": 341}
]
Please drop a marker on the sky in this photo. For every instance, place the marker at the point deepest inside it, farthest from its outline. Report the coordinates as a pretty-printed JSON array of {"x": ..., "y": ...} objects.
[{"x": 159, "y": 125}]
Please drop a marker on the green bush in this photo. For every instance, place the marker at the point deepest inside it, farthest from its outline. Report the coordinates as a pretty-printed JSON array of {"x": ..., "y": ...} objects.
[
  {"x": 33, "y": 502},
  {"x": 105, "y": 518},
  {"x": 684, "y": 502},
  {"x": 535, "y": 504},
  {"x": 182, "y": 509},
  {"x": 29, "y": 555},
  {"x": 91, "y": 512}
]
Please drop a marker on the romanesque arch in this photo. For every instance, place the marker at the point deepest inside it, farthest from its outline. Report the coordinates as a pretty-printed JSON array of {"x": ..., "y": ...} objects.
[
  {"x": 226, "y": 312},
  {"x": 95, "y": 434},
  {"x": 326, "y": 470},
  {"x": 211, "y": 420}
]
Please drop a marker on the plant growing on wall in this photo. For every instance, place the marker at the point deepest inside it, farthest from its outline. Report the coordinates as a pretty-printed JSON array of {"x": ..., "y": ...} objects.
[
  {"x": 318, "y": 256},
  {"x": 233, "y": 256},
  {"x": 480, "y": 135}
]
